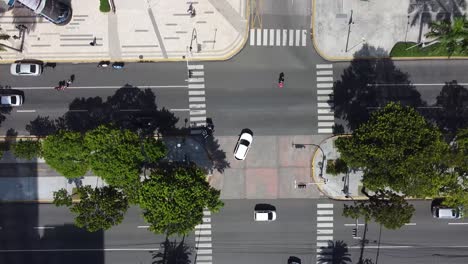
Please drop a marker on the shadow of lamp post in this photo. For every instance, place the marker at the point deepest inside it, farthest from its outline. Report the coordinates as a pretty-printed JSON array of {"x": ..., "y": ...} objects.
[{"x": 300, "y": 146}]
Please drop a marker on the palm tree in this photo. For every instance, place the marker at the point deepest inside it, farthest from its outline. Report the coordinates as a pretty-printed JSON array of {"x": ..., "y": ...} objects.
[{"x": 451, "y": 37}]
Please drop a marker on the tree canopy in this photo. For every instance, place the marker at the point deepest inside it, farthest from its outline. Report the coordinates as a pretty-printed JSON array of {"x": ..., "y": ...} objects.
[
  {"x": 66, "y": 153},
  {"x": 173, "y": 199},
  {"x": 452, "y": 37},
  {"x": 98, "y": 208},
  {"x": 397, "y": 149},
  {"x": 27, "y": 149}
]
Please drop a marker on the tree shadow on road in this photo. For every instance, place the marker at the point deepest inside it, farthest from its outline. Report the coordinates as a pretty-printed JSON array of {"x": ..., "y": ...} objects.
[
  {"x": 367, "y": 85},
  {"x": 339, "y": 253},
  {"x": 173, "y": 252}
]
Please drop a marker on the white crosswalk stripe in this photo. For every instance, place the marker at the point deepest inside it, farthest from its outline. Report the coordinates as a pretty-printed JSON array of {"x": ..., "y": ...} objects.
[
  {"x": 197, "y": 105},
  {"x": 325, "y": 104},
  {"x": 203, "y": 240},
  {"x": 324, "y": 232},
  {"x": 278, "y": 37}
]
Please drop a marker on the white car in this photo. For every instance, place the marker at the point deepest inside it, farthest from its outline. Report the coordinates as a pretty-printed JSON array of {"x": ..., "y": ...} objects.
[
  {"x": 265, "y": 215},
  {"x": 11, "y": 100},
  {"x": 26, "y": 69},
  {"x": 243, "y": 145}
]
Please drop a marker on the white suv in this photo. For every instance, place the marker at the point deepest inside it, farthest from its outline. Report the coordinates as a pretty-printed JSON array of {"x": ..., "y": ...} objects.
[{"x": 266, "y": 215}]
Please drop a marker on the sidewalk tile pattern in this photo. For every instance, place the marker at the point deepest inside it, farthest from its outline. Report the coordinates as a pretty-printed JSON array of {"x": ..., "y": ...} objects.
[
  {"x": 203, "y": 243},
  {"x": 196, "y": 90},
  {"x": 325, "y": 107},
  {"x": 324, "y": 233},
  {"x": 278, "y": 37}
]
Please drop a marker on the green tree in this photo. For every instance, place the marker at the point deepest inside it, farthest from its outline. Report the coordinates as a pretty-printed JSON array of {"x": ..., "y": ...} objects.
[
  {"x": 27, "y": 149},
  {"x": 335, "y": 167},
  {"x": 66, "y": 153},
  {"x": 98, "y": 208},
  {"x": 173, "y": 199},
  {"x": 451, "y": 37},
  {"x": 398, "y": 149},
  {"x": 153, "y": 150},
  {"x": 116, "y": 155},
  {"x": 385, "y": 207}
]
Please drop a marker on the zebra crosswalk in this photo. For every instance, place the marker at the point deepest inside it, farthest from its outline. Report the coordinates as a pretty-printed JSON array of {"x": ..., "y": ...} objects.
[
  {"x": 325, "y": 105},
  {"x": 203, "y": 242},
  {"x": 196, "y": 91},
  {"x": 324, "y": 233},
  {"x": 278, "y": 37}
]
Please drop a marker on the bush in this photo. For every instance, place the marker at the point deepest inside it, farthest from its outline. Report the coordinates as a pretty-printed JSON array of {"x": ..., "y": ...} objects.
[
  {"x": 4, "y": 36},
  {"x": 27, "y": 149},
  {"x": 335, "y": 167},
  {"x": 104, "y": 6}
]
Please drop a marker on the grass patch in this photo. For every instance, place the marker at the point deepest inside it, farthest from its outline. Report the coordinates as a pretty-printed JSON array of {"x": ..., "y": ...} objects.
[
  {"x": 401, "y": 50},
  {"x": 104, "y": 6}
]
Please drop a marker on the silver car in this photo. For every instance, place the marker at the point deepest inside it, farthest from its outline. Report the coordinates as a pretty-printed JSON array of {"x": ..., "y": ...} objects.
[
  {"x": 26, "y": 69},
  {"x": 443, "y": 212},
  {"x": 11, "y": 100}
]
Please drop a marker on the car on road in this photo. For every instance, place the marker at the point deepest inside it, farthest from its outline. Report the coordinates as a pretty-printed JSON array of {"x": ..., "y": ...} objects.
[
  {"x": 443, "y": 212},
  {"x": 243, "y": 144},
  {"x": 11, "y": 100},
  {"x": 265, "y": 215},
  {"x": 294, "y": 260},
  {"x": 26, "y": 69}
]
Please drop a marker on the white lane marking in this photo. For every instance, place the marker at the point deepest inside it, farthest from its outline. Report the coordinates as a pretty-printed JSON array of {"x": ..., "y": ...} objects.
[
  {"x": 304, "y": 37},
  {"x": 325, "y": 111},
  {"x": 326, "y": 117},
  {"x": 322, "y": 244},
  {"x": 25, "y": 111},
  {"x": 197, "y": 112},
  {"x": 195, "y": 92},
  {"x": 203, "y": 226},
  {"x": 458, "y": 223},
  {"x": 198, "y": 73},
  {"x": 324, "y": 79},
  {"x": 285, "y": 36},
  {"x": 196, "y": 80},
  {"x": 197, "y": 105},
  {"x": 323, "y": 85},
  {"x": 195, "y": 67},
  {"x": 203, "y": 258},
  {"x": 76, "y": 250},
  {"x": 44, "y": 227},
  {"x": 278, "y": 37},
  {"x": 324, "y": 66},
  {"x": 197, "y": 118},
  {"x": 252, "y": 36},
  {"x": 272, "y": 37},
  {"x": 201, "y": 124},
  {"x": 323, "y": 98},
  {"x": 324, "y": 218},
  {"x": 326, "y": 124},
  {"x": 104, "y": 87},
  {"x": 324, "y": 238},
  {"x": 205, "y": 239},
  {"x": 265, "y": 37},
  {"x": 196, "y": 99},
  {"x": 298, "y": 37},
  {"x": 324, "y": 225},
  {"x": 196, "y": 86},
  {"x": 325, "y": 105},
  {"x": 206, "y": 220},
  {"x": 204, "y": 251},
  {"x": 323, "y": 206},
  {"x": 410, "y": 224},
  {"x": 324, "y": 250},
  {"x": 324, "y": 72},
  {"x": 324, "y": 231},
  {"x": 322, "y": 92},
  {"x": 203, "y": 232},
  {"x": 259, "y": 36},
  {"x": 179, "y": 110},
  {"x": 206, "y": 213},
  {"x": 353, "y": 224},
  {"x": 204, "y": 245},
  {"x": 324, "y": 212},
  {"x": 291, "y": 37},
  {"x": 145, "y": 226},
  {"x": 325, "y": 130}
]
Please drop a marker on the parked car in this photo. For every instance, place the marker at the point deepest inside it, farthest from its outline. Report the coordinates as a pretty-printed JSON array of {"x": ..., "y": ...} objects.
[
  {"x": 265, "y": 215},
  {"x": 26, "y": 69},
  {"x": 294, "y": 260},
  {"x": 243, "y": 145},
  {"x": 443, "y": 212},
  {"x": 11, "y": 100}
]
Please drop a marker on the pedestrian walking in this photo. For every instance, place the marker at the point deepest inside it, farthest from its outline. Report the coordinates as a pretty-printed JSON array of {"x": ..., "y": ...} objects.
[
  {"x": 93, "y": 43},
  {"x": 190, "y": 8}
]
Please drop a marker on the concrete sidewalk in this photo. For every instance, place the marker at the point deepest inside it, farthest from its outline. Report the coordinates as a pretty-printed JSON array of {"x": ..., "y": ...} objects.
[
  {"x": 341, "y": 27},
  {"x": 140, "y": 30}
]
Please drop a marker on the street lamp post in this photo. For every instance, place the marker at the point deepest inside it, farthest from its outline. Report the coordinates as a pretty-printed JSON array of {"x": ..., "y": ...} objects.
[{"x": 323, "y": 156}]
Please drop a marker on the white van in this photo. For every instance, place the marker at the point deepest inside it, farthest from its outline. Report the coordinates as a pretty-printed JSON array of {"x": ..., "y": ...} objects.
[
  {"x": 447, "y": 213},
  {"x": 265, "y": 215}
]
